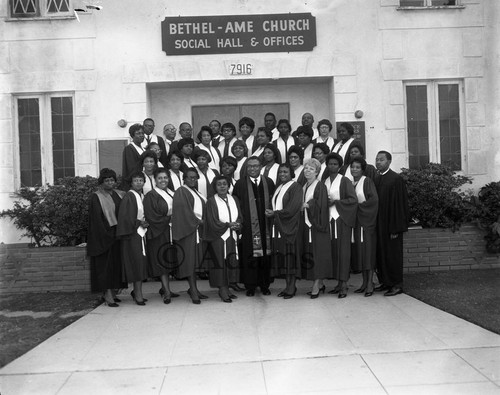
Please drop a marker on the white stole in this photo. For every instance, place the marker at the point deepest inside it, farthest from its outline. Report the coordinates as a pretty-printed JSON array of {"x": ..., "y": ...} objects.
[
  {"x": 202, "y": 181},
  {"x": 153, "y": 138},
  {"x": 308, "y": 195},
  {"x": 277, "y": 200},
  {"x": 272, "y": 173},
  {"x": 149, "y": 184},
  {"x": 282, "y": 147},
  {"x": 308, "y": 151},
  {"x": 198, "y": 207},
  {"x": 176, "y": 179},
  {"x": 168, "y": 197},
  {"x": 298, "y": 172},
  {"x": 334, "y": 193},
  {"x": 330, "y": 142},
  {"x": 140, "y": 217},
  {"x": 343, "y": 148},
  {"x": 228, "y": 212},
  {"x": 321, "y": 170},
  {"x": 249, "y": 143},
  {"x": 360, "y": 194},
  {"x": 139, "y": 150},
  {"x": 258, "y": 151},
  {"x": 239, "y": 166},
  {"x": 348, "y": 173}
]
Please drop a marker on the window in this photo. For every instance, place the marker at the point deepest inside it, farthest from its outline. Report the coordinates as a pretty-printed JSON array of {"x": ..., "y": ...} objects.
[
  {"x": 433, "y": 123},
  {"x": 39, "y": 8},
  {"x": 428, "y": 3},
  {"x": 45, "y": 138}
]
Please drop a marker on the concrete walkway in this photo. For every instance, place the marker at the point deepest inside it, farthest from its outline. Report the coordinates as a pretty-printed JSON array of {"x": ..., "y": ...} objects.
[{"x": 262, "y": 345}]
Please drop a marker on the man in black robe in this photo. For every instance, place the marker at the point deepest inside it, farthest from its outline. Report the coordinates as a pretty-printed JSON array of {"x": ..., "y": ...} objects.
[
  {"x": 254, "y": 192},
  {"x": 392, "y": 221}
]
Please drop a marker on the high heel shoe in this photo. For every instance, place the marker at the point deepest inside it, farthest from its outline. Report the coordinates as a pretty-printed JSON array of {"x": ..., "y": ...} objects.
[
  {"x": 334, "y": 291},
  {"x": 172, "y": 294},
  {"x": 290, "y": 296},
  {"x": 281, "y": 294},
  {"x": 139, "y": 303},
  {"x": 342, "y": 293},
  {"x": 360, "y": 290},
  {"x": 368, "y": 294},
  {"x": 321, "y": 290},
  {"x": 195, "y": 300},
  {"x": 109, "y": 304},
  {"x": 225, "y": 300}
]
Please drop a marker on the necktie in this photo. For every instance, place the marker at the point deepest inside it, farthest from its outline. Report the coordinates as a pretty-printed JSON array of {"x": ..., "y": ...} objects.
[
  {"x": 283, "y": 160},
  {"x": 148, "y": 139},
  {"x": 226, "y": 148}
]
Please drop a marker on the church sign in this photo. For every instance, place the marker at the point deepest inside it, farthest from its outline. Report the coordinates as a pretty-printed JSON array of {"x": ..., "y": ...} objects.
[{"x": 200, "y": 35}]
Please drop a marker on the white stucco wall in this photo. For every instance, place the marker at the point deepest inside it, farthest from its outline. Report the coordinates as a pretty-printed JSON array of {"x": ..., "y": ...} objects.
[{"x": 113, "y": 64}]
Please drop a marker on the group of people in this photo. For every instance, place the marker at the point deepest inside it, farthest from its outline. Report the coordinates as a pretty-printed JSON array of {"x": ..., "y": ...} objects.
[{"x": 248, "y": 208}]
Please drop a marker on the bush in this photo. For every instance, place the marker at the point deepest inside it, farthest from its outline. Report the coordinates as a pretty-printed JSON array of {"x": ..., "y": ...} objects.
[
  {"x": 434, "y": 196},
  {"x": 54, "y": 215},
  {"x": 487, "y": 214}
]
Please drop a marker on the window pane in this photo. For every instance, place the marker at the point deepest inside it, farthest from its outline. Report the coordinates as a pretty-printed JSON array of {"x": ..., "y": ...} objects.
[
  {"x": 411, "y": 3},
  {"x": 57, "y": 6},
  {"x": 29, "y": 142},
  {"x": 449, "y": 125},
  {"x": 417, "y": 125},
  {"x": 443, "y": 2},
  {"x": 62, "y": 137},
  {"x": 24, "y": 8}
]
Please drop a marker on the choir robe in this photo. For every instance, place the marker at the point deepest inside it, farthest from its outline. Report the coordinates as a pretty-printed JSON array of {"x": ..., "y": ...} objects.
[
  {"x": 250, "y": 273},
  {"x": 393, "y": 217},
  {"x": 369, "y": 172},
  {"x": 134, "y": 261},
  {"x": 103, "y": 247},
  {"x": 130, "y": 163},
  {"x": 330, "y": 142},
  {"x": 175, "y": 180},
  {"x": 363, "y": 252},
  {"x": 162, "y": 258},
  {"x": 224, "y": 265},
  {"x": 241, "y": 169},
  {"x": 214, "y": 156},
  {"x": 283, "y": 147},
  {"x": 187, "y": 231},
  {"x": 205, "y": 186},
  {"x": 286, "y": 258},
  {"x": 341, "y": 228},
  {"x": 271, "y": 172},
  {"x": 314, "y": 247}
]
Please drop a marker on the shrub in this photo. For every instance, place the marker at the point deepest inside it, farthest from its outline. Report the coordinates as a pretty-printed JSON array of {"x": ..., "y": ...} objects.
[
  {"x": 434, "y": 196},
  {"x": 54, "y": 215},
  {"x": 487, "y": 214}
]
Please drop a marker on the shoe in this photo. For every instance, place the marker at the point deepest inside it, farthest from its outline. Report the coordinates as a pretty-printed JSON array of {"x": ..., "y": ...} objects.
[
  {"x": 116, "y": 300},
  {"x": 225, "y": 300},
  {"x": 322, "y": 290},
  {"x": 133, "y": 296},
  {"x": 360, "y": 290},
  {"x": 139, "y": 303},
  {"x": 167, "y": 298},
  {"x": 109, "y": 304},
  {"x": 334, "y": 291},
  {"x": 381, "y": 288},
  {"x": 250, "y": 292},
  {"x": 172, "y": 294},
  {"x": 201, "y": 296},
  {"x": 236, "y": 287},
  {"x": 194, "y": 300},
  {"x": 342, "y": 294},
  {"x": 290, "y": 296},
  {"x": 368, "y": 294},
  {"x": 233, "y": 296},
  {"x": 266, "y": 291},
  {"x": 394, "y": 291},
  {"x": 281, "y": 294}
]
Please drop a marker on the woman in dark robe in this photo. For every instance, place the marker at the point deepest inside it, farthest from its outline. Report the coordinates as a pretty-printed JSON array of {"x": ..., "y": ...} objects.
[
  {"x": 103, "y": 247},
  {"x": 131, "y": 229},
  {"x": 187, "y": 229},
  {"x": 175, "y": 160},
  {"x": 315, "y": 243},
  {"x": 285, "y": 213},
  {"x": 365, "y": 233},
  {"x": 223, "y": 222},
  {"x": 356, "y": 150},
  {"x": 270, "y": 162},
  {"x": 240, "y": 152},
  {"x": 342, "y": 205},
  {"x": 295, "y": 158},
  {"x": 207, "y": 174},
  {"x": 161, "y": 252},
  {"x": 227, "y": 168}
]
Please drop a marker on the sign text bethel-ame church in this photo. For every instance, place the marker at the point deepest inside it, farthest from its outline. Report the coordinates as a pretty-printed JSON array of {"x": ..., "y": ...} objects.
[{"x": 195, "y": 35}]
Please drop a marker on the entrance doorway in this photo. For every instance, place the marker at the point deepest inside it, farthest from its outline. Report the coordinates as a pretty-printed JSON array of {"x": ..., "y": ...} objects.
[{"x": 202, "y": 115}]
